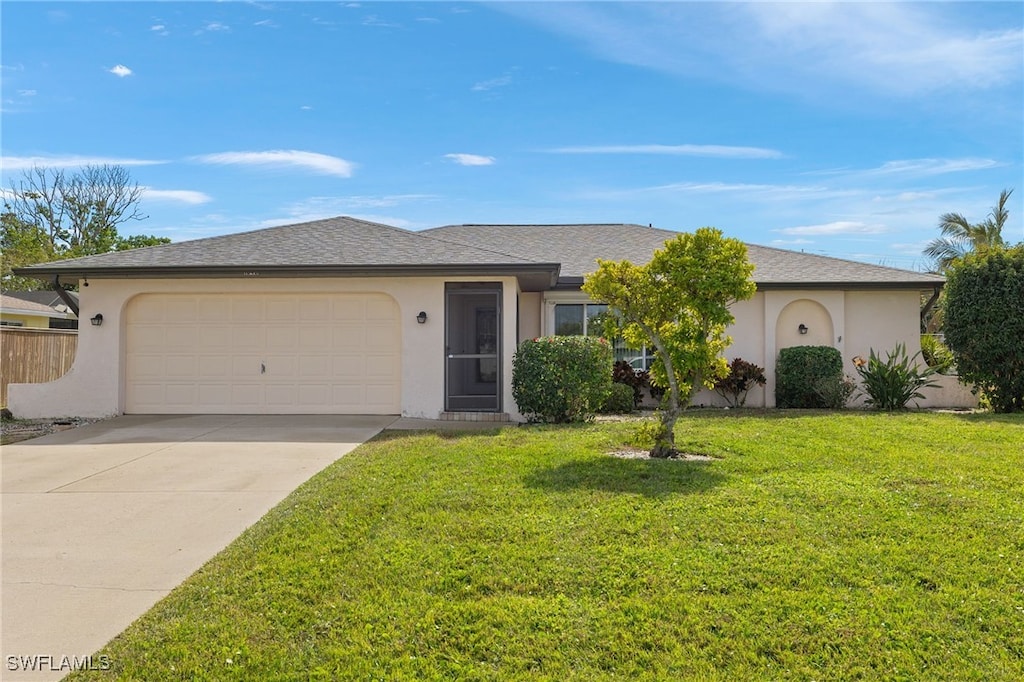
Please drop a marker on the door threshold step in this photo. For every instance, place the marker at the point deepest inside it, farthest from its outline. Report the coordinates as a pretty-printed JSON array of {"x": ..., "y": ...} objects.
[{"x": 475, "y": 417}]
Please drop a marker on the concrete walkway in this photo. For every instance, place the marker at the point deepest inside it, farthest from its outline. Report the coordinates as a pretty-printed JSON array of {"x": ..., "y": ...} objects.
[{"x": 101, "y": 522}]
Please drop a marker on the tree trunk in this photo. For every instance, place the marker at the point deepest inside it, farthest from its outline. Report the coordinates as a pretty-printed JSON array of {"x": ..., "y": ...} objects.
[{"x": 665, "y": 438}]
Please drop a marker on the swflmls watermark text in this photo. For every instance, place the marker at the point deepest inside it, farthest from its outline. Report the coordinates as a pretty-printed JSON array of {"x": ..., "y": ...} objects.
[{"x": 51, "y": 663}]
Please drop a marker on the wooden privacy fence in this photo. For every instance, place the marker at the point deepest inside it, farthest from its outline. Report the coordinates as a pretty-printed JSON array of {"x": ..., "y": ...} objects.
[{"x": 32, "y": 356}]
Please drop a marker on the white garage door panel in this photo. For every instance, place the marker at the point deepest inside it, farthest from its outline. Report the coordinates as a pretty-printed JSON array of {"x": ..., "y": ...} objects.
[{"x": 263, "y": 354}]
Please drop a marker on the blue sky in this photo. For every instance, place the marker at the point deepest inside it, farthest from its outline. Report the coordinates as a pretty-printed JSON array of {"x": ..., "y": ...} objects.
[{"x": 836, "y": 128}]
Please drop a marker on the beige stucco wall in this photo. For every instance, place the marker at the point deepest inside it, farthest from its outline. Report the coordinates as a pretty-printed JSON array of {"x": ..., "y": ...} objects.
[
  {"x": 529, "y": 315},
  {"x": 853, "y": 321},
  {"x": 94, "y": 386}
]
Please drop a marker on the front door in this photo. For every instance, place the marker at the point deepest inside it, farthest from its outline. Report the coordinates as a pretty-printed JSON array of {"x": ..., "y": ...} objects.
[{"x": 472, "y": 347}]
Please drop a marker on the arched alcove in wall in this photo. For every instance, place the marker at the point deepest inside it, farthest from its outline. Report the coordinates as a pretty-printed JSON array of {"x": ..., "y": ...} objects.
[{"x": 808, "y": 315}]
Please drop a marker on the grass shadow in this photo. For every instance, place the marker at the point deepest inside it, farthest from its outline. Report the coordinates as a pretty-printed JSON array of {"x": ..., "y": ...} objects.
[
  {"x": 442, "y": 433},
  {"x": 647, "y": 477},
  {"x": 1012, "y": 419}
]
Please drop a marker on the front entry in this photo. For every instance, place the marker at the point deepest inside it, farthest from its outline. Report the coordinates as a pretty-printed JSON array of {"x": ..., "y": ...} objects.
[{"x": 472, "y": 347}]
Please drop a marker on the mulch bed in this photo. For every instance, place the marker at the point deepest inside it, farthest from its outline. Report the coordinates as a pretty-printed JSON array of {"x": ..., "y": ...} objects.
[
  {"x": 15, "y": 430},
  {"x": 636, "y": 453}
]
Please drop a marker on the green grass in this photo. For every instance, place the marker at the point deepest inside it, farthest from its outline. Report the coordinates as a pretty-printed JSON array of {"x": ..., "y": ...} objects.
[{"x": 815, "y": 546}]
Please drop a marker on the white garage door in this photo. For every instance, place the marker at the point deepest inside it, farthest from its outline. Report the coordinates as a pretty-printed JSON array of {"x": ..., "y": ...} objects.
[{"x": 263, "y": 354}]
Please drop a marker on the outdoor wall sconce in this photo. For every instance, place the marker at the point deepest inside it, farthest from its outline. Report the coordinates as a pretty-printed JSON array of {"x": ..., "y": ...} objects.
[
  {"x": 802, "y": 329},
  {"x": 422, "y": 317},
  {"x": 96, "y": 319}
]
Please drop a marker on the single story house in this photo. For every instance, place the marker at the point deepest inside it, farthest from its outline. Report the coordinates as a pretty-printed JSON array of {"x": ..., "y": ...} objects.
[
  {"x": 36, "y": 310},
  {"x": 348, "y": 316}
]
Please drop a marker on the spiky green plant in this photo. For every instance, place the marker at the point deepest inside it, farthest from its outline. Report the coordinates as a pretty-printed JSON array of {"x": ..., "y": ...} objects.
[{"x": 894, "y": 382}]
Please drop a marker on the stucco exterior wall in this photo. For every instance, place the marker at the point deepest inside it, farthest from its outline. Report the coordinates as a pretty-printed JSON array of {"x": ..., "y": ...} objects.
[
  {"x": 529, "y": 315},
  {"x": 94, "y": 386},
  {"x": 853, "y": 321}
]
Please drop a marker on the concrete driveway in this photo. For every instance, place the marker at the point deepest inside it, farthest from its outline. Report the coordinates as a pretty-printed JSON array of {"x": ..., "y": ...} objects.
[{"x": 101, "y": 522}]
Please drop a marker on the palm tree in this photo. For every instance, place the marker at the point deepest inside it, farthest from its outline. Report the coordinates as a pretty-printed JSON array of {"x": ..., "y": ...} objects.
[{"x": 960, "y": 237}]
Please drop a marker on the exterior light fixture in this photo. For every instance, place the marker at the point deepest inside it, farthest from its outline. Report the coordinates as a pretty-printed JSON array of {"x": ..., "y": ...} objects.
[
  {"x": 422, "y": 317},
  {"x": 802, "y": 329},
  {"x": 96, "y": 319}
]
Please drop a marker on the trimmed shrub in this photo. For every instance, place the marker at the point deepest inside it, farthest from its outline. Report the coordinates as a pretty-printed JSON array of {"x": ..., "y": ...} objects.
[
  {"x": 623, "y": 373},
  {"x": 892, "y": 384},
  {"x": 984, "y": 325},
  {"x": 620, "y": 400},
  {"x": 742, "y": 377},
  {"x": 559, "y": 379},
  {"x": 800, "y": 370}
]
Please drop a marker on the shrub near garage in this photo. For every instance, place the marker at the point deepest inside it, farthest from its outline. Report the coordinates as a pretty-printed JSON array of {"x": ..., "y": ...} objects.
[{"x": 560, "y": 379}]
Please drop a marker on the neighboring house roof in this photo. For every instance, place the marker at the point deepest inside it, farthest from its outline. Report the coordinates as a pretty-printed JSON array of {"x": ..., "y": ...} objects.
[
  {"x": 47, "y": 298},
  {"x": 542, "y": 256},
  {"x": 17, "y": 306},
  {"x": 577, "y": 248}
]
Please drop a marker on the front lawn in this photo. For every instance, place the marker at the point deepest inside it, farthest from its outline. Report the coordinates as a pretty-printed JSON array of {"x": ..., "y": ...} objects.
[{"x": 813, "y": 546}]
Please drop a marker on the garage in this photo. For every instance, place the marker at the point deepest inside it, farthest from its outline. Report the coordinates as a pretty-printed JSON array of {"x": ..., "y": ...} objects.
[{"x": 265, "y": 353}]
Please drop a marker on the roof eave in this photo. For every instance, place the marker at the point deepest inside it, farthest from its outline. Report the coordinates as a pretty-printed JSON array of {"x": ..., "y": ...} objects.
[
  {"x": 532, "y": 276},
  {"x": 851, "y": 285},
  {"x": 576, "y": 282}
]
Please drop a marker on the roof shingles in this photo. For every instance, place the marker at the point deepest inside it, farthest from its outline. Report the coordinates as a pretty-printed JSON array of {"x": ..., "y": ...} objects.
[{"x": 343, "y": 242}]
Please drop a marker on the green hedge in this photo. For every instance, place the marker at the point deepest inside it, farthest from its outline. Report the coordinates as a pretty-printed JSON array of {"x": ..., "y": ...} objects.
[
  {"x": 801, "y": 370},
  {"x": 985, "y": 325},
  {"x": 562, "y": 378}
]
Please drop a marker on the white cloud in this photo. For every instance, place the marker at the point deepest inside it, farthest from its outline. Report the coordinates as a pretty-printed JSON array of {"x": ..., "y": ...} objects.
[
  {"x": 184, "y": 196},
  {"x": 374, "y": 20},
  {"x": 317, "y": 215},
  {"x": 499, "y": 82},
  {"x": 898, "y": 49},
  {"x": 471, "y": 159},
  {"x": 212, "y": 27},
  {"x": 334, "y": 206},
  {"x": 27, "y": 93},
  {"x": 711, "y": 150},
  {"x": 120, "y": 71},
  {"x": 834, "y": 228},
  {"x": 266, "y": 22},
  {"x": 284, "y": 158},
  {"x": 791, "y": 242},
  {"x": 26, "y": 162},
  {"x": 306, "y": 107},
  {"x": 933, "y": 166}
]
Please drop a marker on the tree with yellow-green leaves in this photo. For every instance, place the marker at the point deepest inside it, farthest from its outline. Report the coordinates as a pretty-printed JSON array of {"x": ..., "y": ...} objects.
[{"x": 679, "y": 306}]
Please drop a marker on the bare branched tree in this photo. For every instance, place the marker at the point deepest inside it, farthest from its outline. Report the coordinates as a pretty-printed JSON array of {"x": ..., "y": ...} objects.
[{"x": 80, "y": 212}]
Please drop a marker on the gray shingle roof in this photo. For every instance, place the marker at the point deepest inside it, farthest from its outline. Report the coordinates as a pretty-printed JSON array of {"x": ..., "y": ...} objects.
[
  {"x": 577, "y": 248},
  {"x": 340, "y": 246},
  {"x": 335, "y": 241}
]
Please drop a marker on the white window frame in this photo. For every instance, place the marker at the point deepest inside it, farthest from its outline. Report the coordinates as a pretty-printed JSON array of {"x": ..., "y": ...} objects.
[{"x": 553, "y": 298}]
